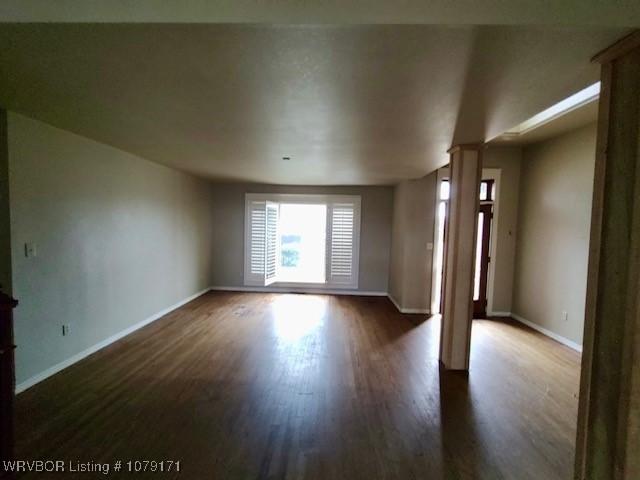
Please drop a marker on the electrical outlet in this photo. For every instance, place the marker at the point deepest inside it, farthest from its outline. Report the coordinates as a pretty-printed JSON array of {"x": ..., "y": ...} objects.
[
  {"x": 30, "y": 250},
  {"x": 66, "y": 329},
  {"x": 565, "y": 316}
]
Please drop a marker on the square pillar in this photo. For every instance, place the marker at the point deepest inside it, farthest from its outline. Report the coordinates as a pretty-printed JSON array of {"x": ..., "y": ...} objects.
[
  {"x": 460, "y": 245},
  {"x": 608, "y": 433}
]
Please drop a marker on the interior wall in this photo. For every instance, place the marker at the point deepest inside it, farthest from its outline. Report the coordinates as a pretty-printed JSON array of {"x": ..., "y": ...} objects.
[
  {"x": 5, "y": 230},
  {"x": 553, "y": 233},
  {"x": 412, "y": 243},
  {"x": 117, "y": 240},
  {"x": 396, "y": 259},
  {"x": 500, "y": 283},
  {"x": 228, "y": 205}
]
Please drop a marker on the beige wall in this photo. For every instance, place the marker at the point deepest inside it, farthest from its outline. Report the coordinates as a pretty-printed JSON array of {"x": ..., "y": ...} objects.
[
  {"x": 228, "y": 238},
  {"x": 412, "y": 243},
  {"x": 118, "y": 239},
  {"x": 5, "y": 231},
  {"x": 507, "y": 160},
  {"x": 396, "y": 258},
  {"x": 553, "y": 232}
]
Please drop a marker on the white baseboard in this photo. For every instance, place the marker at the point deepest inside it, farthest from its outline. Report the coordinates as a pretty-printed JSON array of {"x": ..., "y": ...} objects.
[
  {"x": 559, "y": 338},
  {"x": 498, "y": 314},
  {"x": 408, "y": 310},
  {"x": 319, "y": 291},
  {"x": 21, "y": 387}
]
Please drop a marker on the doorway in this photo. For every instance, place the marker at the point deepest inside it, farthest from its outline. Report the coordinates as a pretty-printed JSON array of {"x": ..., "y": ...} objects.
[
  {"x": 481, "y": 274},
  {"x": 302, "y": 238},
  {"x": 483, "y": 246},
  {"x": 441, "y": 231}
]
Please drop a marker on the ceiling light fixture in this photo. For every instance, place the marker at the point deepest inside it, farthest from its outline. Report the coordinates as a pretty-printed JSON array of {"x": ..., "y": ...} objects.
[{"x": 577, "y": 100}]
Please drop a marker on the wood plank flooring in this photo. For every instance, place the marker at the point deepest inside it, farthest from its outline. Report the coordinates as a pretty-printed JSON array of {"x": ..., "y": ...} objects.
[{"x": 274, "y": 386}]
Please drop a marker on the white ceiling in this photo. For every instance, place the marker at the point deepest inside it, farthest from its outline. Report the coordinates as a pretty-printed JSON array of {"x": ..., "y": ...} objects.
[{"x": 350, "y": 104}]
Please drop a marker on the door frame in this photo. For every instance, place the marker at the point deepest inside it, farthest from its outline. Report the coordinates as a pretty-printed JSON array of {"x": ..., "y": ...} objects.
[
  {"x": 490, "y": 173},
  {"x": 480, "y": 305}
]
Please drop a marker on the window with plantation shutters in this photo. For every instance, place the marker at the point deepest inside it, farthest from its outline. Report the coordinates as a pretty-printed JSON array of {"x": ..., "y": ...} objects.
[{"x": 270, "y": 252}]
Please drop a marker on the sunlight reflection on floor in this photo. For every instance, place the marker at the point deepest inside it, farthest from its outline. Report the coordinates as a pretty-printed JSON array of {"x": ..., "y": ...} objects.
[{"x": 296, "y": 316}]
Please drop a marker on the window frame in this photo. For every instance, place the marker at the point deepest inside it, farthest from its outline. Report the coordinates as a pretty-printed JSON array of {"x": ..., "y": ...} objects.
[{"x": 307, "y": 199}]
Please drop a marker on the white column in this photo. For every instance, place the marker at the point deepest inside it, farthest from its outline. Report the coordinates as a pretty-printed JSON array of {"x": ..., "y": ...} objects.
[{"x": 465, "y": 169}]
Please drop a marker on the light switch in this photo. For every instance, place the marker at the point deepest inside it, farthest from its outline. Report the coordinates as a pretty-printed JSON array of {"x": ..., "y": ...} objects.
[{"x": 30, "y": 250}]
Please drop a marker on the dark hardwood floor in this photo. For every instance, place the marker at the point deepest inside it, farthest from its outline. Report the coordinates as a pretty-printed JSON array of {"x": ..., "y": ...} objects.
[{"x": 272, "y": 386}]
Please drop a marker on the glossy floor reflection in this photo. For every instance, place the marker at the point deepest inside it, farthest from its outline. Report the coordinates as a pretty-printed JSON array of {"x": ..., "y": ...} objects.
[{"x": 269, "y": 386}]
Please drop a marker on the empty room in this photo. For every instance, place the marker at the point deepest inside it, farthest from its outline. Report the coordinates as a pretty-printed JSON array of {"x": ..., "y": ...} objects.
[{"x": 320, "y": 240}]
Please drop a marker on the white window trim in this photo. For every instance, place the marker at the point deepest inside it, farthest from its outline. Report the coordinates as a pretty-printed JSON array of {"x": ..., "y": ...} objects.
[{"x": 307, "y": 199}]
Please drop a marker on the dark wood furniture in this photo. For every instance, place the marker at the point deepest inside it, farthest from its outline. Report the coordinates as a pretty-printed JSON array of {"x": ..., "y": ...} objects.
[{"x": 7, "y": 381}]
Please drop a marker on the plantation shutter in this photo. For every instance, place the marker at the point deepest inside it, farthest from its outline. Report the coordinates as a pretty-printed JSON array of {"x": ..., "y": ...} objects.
[
  {"x": 271, "y": 243},
  {"x": 343, "y": 226},
  {"x": 261, "y": 242},
  {"x": 256, "y": 225}
]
